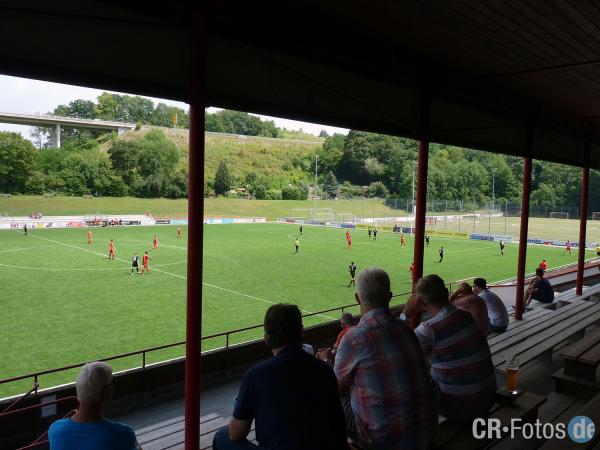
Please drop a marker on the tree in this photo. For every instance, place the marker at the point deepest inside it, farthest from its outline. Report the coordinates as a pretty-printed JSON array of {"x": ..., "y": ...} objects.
[
  {"x": 223, "y": 179},
  {"x": 17, "y": 161},
  {"x": 330, "y": 184},
  {"x": 323, "y": 134}
]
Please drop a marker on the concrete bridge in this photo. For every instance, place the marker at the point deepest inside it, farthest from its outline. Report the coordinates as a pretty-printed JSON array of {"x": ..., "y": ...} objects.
[{"x": 56, "y": 122}]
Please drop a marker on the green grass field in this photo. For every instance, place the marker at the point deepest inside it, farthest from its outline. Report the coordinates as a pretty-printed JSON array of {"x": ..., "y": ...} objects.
[{"x": 64, "y": 302}]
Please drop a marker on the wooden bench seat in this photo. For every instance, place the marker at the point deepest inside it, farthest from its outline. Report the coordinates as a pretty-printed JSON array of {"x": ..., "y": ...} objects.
[
  {"x": 451, "y": 435},
  {"x": 543, "y": 333},
  {"x": 582, "y": 357}
]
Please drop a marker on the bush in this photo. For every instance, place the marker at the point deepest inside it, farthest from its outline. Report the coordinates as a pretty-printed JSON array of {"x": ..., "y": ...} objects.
[
  {"x": 377, "y": 189},
  {"x": 273, "y": 194},
  {"x": 260, "y": 192},
  {"x": 292, "y": 193}
]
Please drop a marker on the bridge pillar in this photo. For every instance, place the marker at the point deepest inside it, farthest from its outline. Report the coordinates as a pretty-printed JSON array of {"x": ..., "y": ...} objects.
[{"x": 56, "y": 136}]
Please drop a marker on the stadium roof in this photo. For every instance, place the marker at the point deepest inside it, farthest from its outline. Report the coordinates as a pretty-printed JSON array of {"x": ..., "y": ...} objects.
[{"x": 493, "y": 70}]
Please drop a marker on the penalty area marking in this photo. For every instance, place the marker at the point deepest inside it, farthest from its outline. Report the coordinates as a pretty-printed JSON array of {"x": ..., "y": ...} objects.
[{"x": 179, "y": 276}]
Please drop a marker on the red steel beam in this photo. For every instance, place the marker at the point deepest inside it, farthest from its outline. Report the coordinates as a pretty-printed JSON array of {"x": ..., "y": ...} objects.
[
  {"x": 583, "y": 212},
  {"x": 195, "y": 235},
  {"x": 523, "y": 239},
  {"x": 421, "y": 209}
]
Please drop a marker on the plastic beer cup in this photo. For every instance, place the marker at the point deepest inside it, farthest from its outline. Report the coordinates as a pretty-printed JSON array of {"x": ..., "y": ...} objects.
[{"x": 512, "y": 371}]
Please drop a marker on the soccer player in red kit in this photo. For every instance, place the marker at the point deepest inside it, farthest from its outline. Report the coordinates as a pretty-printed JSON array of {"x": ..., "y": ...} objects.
[
  {"x": 412, "y": 271},
  {"x": 402, "y": 240},
  {"x": 90, "y": 236},
  {"x": 349, "y": 240},
  {"x": 569, "y": 248},
  {"x": 155, "y": 243},
  {"x": 145, "y": 259},
  {"x": 178, "y": 232},
  {"x": 111, "y": 250},
  {"x": 544, "y": 265}
]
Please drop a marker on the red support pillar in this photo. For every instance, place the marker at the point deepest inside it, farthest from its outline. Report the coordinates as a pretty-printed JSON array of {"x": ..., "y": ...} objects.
[
  {"x": 195, "y": 237},
  {"x": 519, "y": 300},
  {"x": 421, "y": 209},
  {"x": 583, "y": 211}
]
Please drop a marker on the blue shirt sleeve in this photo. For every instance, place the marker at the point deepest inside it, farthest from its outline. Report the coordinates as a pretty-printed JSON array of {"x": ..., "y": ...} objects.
[{"x": 245, "y": 401}]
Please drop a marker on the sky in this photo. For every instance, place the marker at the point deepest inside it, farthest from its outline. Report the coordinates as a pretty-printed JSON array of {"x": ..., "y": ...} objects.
[{"x": 23, "y": 95}]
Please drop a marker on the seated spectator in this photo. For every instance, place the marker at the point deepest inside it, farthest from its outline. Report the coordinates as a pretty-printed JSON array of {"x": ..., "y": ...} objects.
[
  {"x": 465, "y": 298},
  {"x": 382, "y": 374},
  {"x": 459, "y": 356},
  {"x": 539, "y": 289},
  {"x": 347, "y": 321},
  {"x": 87, "y": 428},
  {"x": 292, "y": 397},
  {"x": 497, "y": 313}
]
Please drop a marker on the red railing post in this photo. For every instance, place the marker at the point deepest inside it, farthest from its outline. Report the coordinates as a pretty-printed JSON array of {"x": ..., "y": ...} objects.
[
  {"x": 583, "y": 211},
  {"x": 195, "y": 233},
  {"x": 519, "y": 299}
]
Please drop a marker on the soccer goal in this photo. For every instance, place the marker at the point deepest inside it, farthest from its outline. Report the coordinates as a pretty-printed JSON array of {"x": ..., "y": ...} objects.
[
  {"x": 559, "y": 215},
  {"x": 596, "y": 215}
]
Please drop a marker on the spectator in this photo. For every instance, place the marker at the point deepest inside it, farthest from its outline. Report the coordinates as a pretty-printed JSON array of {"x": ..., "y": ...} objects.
[
  {"x": 292, "y": 397},
  {"x": 459, "y": 356},
  {"x": 465, "y": 298},
  {"x": 539, "y": 289},
  {"x": 497, "y": 313},
  {"x": 347, "y": 321},
  {"x": 382, "y": 374},
  {"x": 87, "y": 428}
]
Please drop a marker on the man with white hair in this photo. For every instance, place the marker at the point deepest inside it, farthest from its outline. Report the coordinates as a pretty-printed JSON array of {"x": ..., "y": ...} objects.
[
  {"x": 87, "y": 428},
  {"x": 382, "y": 374}
]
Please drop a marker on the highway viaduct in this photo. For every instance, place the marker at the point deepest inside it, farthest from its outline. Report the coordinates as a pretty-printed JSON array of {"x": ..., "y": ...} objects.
[{"x": 56, "y": 122}]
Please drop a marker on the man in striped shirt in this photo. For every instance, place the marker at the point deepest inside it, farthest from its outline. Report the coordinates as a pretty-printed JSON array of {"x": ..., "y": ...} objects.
[
  {"x": 459, "y": 355},
  {"x": 382, "y": 374}
]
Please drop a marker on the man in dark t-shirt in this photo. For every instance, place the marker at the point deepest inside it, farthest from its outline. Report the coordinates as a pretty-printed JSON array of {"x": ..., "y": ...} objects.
[
  {"x": 352, "y": 270},
  {"x": 539, "y": 289},
  {"x": 292, "y": 397}
]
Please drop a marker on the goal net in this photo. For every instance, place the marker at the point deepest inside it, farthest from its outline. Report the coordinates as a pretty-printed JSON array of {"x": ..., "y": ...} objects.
[
  {"x": 559, "y": 215},
  {"x": 596, "y": 215}
]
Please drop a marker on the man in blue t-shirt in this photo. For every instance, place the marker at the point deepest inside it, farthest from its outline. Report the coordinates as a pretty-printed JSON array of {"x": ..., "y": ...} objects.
[
  {"x": 292, "y": 397},
  {"x": 539, "y": 289},
  {"x": 87, "y": 429}
]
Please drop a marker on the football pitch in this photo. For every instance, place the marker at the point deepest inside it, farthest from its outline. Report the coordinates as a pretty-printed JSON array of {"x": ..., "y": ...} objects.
[{"x": 64, "y": 302}]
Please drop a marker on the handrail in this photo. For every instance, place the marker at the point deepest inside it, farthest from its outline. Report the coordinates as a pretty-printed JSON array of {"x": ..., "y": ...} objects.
[
  {"x": 38, "y": 441},
  {"x": 20, "y": 399},
  {"x": 145, "y": 351},
  {"x": 38, "y": 406}
]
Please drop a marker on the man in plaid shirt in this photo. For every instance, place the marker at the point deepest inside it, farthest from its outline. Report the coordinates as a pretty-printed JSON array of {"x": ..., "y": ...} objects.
[{"x": 382, "y": 375}]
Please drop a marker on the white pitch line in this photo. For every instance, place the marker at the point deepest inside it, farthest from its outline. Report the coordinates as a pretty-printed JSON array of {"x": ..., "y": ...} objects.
[
  {"x": 262, "y": 299},
  {"x": 179, "y": 276}
]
